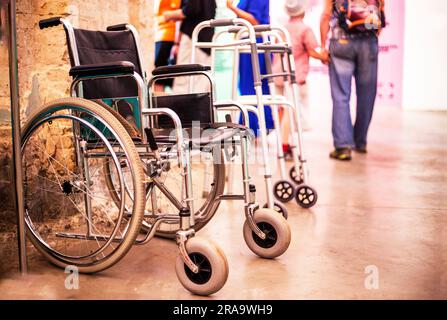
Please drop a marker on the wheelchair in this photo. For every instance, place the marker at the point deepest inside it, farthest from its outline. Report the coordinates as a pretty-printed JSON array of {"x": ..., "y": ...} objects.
[{"x": 114, "y": 165}]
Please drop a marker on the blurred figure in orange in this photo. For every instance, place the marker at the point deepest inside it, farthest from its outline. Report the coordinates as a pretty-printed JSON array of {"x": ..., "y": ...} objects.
[{"x": 166, "y": 39}]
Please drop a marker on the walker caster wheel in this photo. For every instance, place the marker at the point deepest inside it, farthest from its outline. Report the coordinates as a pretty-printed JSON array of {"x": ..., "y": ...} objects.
[
  {"x": 277, "y": 233},
  {"x": 306, "y": 196},
  {"x": 284, "y": 191},
  {"x": 279, "y": 208},
  {"x": 297, "y": 177},
  {"x": 212, "y": 263}
]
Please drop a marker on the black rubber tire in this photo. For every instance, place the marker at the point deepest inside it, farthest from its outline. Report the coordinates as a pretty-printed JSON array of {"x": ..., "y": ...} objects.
[
  {"x": 278, "y": 234},
  {"x": 284, "y": 191},
  {"x": 135, "y": 221},
  {"x": 216, "y": 263},
  {"x": 306, "y": 196}
]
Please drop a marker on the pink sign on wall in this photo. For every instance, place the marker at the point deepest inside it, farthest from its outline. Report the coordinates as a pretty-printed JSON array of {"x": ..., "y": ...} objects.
[{"x": 391, "y": 63}]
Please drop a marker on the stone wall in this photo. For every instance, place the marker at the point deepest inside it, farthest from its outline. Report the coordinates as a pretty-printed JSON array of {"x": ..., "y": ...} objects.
[
  {"x": 43, "y": 56},
  {"x": 43, "y": 70}
]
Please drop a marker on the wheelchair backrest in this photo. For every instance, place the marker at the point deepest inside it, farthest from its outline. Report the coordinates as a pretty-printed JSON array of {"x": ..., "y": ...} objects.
[
  {"x": 107, "y": 46},
  {"x": 192, "y": 109},
  {"x": 94, "y": 47}
]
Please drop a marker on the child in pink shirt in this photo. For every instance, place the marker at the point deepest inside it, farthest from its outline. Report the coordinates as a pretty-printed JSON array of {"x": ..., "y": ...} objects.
[{"x": 304, "y": 45}]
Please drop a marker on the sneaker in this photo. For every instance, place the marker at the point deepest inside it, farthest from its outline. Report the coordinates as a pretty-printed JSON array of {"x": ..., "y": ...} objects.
[
  {"x": 343, "y": 154},
  {"x": 361, "y": 150}
]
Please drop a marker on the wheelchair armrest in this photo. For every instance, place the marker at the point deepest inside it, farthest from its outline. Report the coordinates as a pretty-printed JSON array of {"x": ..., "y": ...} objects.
[
  {"x": 182, "y": 68},
  {"x": 103, "y": 69},
  {"x": 118, "y": 27},
  {"x": 231, "y": 105},
  {"x": 262, "y": 28}
]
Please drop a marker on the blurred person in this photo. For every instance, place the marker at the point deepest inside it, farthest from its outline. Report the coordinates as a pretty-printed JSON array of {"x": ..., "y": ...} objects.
[
  {"x": 191, "y": 13},
  {"x": 304, "y": 44},
  {"x": 256, "y": 12},
  {"x": 355, "y": 26},
  {"x": 166, "y": 38}
]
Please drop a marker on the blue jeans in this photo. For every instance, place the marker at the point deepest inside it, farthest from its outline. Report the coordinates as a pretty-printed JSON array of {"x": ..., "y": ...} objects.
[{"x": 358, "y": 58}]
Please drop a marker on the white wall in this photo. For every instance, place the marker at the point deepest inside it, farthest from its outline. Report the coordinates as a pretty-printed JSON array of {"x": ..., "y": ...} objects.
[{"x": 425, "y": 57}]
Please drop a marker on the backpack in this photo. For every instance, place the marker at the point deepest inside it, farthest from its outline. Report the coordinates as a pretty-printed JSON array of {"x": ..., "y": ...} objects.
[{"x": 360, "y": 16}]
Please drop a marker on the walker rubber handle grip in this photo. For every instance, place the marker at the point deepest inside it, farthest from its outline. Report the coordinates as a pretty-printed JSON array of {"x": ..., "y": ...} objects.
[
  {"x": 118, "y": 27},
  {"x": 48, "y": 23},
  {"x": 222, "y": 23},
  {"x": 262, "y": 28}
]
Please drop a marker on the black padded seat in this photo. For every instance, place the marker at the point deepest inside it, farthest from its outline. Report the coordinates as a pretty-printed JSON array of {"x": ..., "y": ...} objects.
[{"x": 183, "y": 68}]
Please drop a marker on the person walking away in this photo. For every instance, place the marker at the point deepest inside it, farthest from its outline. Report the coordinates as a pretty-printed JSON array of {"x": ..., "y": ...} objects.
[
  {"x": 353, "y": 49},
  {"x": 166, "y": 39}
]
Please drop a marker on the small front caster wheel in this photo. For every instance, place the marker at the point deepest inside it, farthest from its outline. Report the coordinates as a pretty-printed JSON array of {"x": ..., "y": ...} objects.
[
  {"x": 212, "y": 263},
  {"x": 306, "y": 196},
  {"x": 280, "y": 208},
  {"x": 277, "y": 232},
  {"x": 284, "y": 191},
  {"x": 297, "y": 176}
]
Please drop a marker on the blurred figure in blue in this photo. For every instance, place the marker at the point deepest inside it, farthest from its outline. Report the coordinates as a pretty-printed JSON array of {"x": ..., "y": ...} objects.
[{"x": 256, "y": 12}]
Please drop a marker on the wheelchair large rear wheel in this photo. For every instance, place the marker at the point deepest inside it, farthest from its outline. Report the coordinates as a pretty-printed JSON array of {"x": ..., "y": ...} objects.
[{"x": 70, "y": 216}]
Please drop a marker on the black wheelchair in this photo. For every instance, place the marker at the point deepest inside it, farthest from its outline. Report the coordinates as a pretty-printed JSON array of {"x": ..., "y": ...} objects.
[{"x": 115, "y": 165}]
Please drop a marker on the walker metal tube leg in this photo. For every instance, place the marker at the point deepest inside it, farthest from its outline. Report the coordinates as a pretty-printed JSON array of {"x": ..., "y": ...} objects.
[
  {"x": 296, "y": 99},
  {"x": 275, "y": 113},
  {"x": 299, "y": 130},
  {"x": 264, "y": 147},
  {"x": 234, "y": 114},
  {"x": 279, "y": 137}
]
